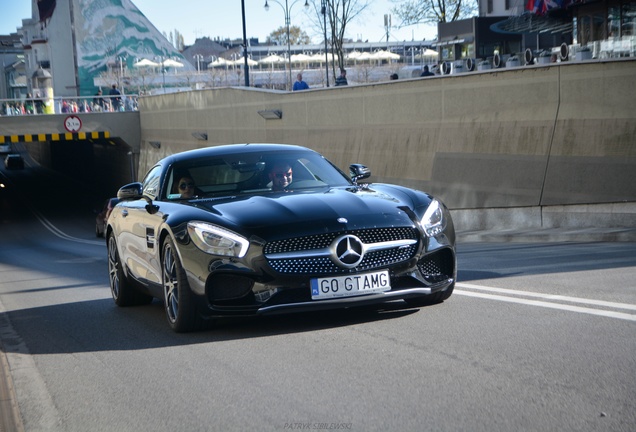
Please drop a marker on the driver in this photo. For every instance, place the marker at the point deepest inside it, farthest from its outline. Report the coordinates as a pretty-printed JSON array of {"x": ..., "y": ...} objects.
[{"x": 280, "y": 175}]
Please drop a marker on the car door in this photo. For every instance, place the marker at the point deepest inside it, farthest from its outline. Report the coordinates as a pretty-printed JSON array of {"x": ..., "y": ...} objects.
[{"x": 139, "y": 222}]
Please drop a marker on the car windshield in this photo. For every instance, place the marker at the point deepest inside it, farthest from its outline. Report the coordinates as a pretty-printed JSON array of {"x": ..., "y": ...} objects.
[{"x": 251, "y": 173}]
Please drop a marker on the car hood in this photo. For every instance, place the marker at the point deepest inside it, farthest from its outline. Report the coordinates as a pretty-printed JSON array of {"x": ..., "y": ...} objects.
[{"x": 272, "y": 216}]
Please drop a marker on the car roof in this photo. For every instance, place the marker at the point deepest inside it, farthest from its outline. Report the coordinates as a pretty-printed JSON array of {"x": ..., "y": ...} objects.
[{"x": 229, "y": 149}]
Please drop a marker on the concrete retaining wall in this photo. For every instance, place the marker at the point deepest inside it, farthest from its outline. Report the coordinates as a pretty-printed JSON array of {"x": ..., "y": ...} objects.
[{"x": 561, "y": 134}]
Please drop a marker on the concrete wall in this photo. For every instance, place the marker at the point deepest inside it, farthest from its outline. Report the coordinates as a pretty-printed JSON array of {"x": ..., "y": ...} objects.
[{"x": 561, "y": 134}]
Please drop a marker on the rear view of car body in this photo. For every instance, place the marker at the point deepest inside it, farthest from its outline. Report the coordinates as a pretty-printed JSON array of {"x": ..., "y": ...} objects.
[{"x": 14, "y": 161}]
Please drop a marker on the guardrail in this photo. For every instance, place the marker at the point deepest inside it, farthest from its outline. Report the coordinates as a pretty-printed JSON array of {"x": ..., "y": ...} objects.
[{"x": 63, "y": 105}]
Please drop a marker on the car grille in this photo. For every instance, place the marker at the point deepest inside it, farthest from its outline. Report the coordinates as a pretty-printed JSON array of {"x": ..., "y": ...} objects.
[{"x": 324, "y": 265}]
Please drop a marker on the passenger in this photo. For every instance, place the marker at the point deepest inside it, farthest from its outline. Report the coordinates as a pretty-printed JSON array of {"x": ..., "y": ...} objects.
[
  {"x": 280, "y": 175},
  {"x": 186, "y": 187}
]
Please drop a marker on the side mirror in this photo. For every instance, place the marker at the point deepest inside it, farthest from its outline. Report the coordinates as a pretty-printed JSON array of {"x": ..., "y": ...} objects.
[
  {"x": 358, "y": 172},
  {"x": 132, "y": 191}
]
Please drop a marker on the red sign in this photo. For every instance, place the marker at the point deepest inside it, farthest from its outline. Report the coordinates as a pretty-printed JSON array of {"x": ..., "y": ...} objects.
[{"x": 72, "y": 123}]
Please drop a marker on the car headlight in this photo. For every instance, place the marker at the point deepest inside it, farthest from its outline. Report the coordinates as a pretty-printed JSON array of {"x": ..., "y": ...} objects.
[
  {"x": 434, "y": 221},
  {"x": 216, "y": 240}
]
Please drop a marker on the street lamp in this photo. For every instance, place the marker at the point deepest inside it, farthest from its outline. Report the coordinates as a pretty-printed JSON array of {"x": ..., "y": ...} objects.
[
  {"x": 121, "y": 59},
  {"x": 199, "y": 57},
  {"x": 287, "y": 9},
  {"x": 323, "y": 9}
]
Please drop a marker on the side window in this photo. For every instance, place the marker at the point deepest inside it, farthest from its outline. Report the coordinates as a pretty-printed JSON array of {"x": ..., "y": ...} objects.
[{"x": 151, "y": 183}]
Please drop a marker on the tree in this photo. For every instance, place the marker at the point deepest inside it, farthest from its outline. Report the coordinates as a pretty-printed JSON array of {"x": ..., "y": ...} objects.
[
  {"x": 434, "y": 11},
  {"x": 338, "y": 14},
  {"x": 296, "y": 36}
]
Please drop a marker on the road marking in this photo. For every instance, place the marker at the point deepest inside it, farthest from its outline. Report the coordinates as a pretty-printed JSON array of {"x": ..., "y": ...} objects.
[
  {"x": 61, "y": 234},
  {"x": 510, "y": 298}
]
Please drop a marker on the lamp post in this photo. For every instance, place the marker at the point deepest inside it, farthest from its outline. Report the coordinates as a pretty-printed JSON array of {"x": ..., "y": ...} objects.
[
  {"x": 163, "y": 72},
  {"x": 120, "y": 81},
  {"x": 199, "y": 57},
  {"x": 287, "y": 9},
  {"x": 247, "y": 67},
  {"x": 323, "y": 9}
]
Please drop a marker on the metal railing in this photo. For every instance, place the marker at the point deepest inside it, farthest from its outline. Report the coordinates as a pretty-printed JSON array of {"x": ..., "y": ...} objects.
[{"x": 63, "y": 105}]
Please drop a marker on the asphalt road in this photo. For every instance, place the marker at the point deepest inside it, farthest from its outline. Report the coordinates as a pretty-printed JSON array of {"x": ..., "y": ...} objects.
[{"x": 536, "y": 337}]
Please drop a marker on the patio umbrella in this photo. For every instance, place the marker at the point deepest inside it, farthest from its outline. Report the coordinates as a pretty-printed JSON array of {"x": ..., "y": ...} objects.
[
  {"x": 146, "y": 63},
  {"x": 219, "y": 62},
  {"x": 272, "y": 58},
  {"x": 384, "y": 55},
  {"x": 171, "y": 63},
  {"x": 241, "y": 60},
  {"x": 300, "y": 58}
]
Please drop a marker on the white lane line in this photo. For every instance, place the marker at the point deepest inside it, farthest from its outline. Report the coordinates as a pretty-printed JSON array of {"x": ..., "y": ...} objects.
[
  {"x": 61, "y": 234},
  {"x": 545, "y": 304},
  {"x": 549, "y": 296}
]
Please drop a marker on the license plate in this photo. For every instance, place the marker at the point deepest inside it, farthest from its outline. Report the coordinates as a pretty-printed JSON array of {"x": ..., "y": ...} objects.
[{"x": 350, "y": 285}]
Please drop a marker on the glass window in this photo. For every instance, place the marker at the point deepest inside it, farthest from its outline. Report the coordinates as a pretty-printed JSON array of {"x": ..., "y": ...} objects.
[
  {"x": 598, "y": 30},
  {"x": 585, "y": 28},
  {"x": 613, "y": 21},
  {"x": 151, "y": 182},
  {"x": 629, "y": 19}
]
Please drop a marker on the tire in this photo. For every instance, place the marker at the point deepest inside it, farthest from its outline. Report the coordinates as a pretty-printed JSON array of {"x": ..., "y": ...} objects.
[
  {"x": 120, "y": 287},
  {"x": 432, "y": 299},
  {"x": 180, "y": 308}
]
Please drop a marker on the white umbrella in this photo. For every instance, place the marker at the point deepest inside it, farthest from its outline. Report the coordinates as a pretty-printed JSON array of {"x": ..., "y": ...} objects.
[
  {"x": 241, "y": 60},
  {"x": 273, "y": 58},
  {"x": 219, "y": 62},
  {"x": 353, "y": 55},
  {"x": 384, "y": 55},
  {"x": 300, "y": 58},
  {"x": 171, "y": 63},
  {"x": 317, "y": 58},
  {"x": 146, "y": 63}
]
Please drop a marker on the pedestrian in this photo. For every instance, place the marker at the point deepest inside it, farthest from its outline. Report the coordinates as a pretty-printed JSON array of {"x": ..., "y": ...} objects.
[
  {"x": 342, "y": 79},
  {"x": 300, "y": 84},
  {"x": 115, "y": 96},
  {"x": 98, "y": 101},
  {"x": 426, "y": 72}
]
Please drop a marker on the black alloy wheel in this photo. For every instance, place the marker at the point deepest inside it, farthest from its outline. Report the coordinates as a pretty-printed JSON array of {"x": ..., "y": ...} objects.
[
  {"x": 120, "y": 287},
  {"x": 180, "y": 308}
]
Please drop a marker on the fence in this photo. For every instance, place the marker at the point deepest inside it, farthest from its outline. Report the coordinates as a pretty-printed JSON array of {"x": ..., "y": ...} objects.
[{"x": 62, "y": 105}]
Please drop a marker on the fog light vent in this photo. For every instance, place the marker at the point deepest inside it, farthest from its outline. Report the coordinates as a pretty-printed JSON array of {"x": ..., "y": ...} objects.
[{"x": 228, "y": 287}]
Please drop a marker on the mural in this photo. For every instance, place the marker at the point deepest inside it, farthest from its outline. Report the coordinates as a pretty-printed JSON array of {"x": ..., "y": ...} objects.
[{"x": 116, "y": 33}]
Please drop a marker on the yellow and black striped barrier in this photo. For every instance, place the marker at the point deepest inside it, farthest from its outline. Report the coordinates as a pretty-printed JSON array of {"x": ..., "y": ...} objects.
[{"x": 68, "y": 136}]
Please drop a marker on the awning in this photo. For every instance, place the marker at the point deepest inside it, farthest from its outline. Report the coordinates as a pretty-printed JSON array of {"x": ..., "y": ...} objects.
[{"x": 453, "y": 41}]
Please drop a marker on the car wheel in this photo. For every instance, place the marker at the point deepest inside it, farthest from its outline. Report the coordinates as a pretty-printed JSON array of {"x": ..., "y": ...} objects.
[
  {"x": 180, "y": 308},
  {"x": 432, "y": 299},
  {"x": 120, "y": 287}
]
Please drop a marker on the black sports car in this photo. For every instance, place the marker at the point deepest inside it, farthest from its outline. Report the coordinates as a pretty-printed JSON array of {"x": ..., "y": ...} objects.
[{"x": 250, "y": 229}]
